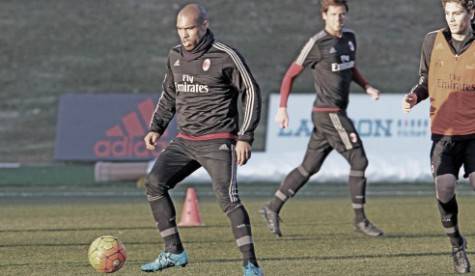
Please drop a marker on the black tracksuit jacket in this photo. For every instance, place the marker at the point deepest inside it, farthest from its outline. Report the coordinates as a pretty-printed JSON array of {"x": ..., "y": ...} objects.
[{"x": 203, "y": 88}]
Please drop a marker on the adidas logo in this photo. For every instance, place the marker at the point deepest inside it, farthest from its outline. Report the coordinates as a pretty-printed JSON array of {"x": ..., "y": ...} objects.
[
  {"x": 224, "y": 147},
  {"x": 177, "y": 63},
  {"x": 125, "y": 140},
  {"x": 132, "y": 124},
  {"x": 352, "y": 47},
  {"x": 332, "y": 50}
]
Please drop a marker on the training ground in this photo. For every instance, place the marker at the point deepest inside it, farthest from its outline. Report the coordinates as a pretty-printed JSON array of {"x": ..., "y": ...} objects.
[
  {"x": 48, "y": 217},
  {"x": 46, "y": 230}
]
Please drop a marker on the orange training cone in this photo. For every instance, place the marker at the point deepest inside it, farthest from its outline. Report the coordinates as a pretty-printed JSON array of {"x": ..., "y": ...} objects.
[{"x": 190, "y": 215}]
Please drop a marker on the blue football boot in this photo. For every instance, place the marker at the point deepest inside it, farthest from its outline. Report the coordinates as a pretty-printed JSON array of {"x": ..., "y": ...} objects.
[
  {"x": 251, "y": 270},
  {"x": 166, "y": 260}
]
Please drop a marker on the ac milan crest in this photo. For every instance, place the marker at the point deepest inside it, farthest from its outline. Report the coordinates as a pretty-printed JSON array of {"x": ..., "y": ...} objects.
[{"x": 206, "y": 64}]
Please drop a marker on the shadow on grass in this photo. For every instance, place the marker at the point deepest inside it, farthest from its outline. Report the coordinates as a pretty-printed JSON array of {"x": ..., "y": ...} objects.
[
  {"x": 270, "y": 259},
  {"x": 285, "y": 239}
]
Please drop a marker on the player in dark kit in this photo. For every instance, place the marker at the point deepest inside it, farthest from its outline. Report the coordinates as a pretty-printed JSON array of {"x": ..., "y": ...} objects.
[
  {"x": 331, "y": 55},
  {"x": 201, "y": 87},
  {"x": 447, "y": 77}
]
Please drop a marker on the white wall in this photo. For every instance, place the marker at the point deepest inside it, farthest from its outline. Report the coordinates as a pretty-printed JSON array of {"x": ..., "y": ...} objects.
[{"x": 397, "y": 144}]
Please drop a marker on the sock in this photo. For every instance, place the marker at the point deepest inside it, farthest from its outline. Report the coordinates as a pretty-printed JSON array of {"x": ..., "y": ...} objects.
[
  {"x": 359, "y": 213},
  {"x": 164, "y": 214},
  {"x": 357, "y": 186},
  {"x": 278, "y": 201},
  {"x": 289, "y": 187},
  {"x": 448, "y": 213},
  {"x": 241, "y": 227}
]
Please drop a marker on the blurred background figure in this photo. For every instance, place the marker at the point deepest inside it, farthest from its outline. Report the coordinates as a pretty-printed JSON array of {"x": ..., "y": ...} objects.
[{"x": 331, "y": 54}]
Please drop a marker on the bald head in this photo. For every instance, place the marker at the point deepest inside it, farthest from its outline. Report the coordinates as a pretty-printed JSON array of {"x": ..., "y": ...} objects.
[
  {"x": 195, "y": 12},
  {"x": 191, "y": 25}
]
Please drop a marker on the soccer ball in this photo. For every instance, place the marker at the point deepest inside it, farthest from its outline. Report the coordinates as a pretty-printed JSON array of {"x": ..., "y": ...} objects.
[{"x": 107, "y": 254}]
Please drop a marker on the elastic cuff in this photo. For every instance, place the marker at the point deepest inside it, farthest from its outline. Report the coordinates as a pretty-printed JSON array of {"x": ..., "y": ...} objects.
[
  {"x": 159, "y": 131},
  {"x": 246, "y": 138}
]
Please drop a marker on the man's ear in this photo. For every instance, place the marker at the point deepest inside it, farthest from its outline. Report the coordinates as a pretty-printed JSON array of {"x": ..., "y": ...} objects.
[{"x": 206, "y": 23}]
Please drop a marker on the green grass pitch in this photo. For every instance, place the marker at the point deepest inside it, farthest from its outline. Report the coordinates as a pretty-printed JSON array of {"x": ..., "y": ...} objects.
[{"x": 52, "y": 238}]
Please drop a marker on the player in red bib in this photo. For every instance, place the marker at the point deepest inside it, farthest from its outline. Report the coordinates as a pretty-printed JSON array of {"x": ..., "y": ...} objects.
[{"x": 447, "y": 77}]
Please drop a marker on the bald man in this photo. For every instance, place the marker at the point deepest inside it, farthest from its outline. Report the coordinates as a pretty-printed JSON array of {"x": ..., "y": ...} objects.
[{"x": 202, "y": 85}]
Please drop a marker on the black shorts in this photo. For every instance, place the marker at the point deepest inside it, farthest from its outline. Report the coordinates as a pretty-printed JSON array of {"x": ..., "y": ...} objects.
[
  {"x": 447, "y": 156},
  {"x": 334, "y": 130}
]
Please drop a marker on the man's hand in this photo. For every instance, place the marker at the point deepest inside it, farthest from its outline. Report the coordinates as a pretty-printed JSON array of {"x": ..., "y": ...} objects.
[
  {"x": 151, "y": 140},
  {"x": 282, "y": 118},
  {"x": 243, "y": 152},
  {"x": 409, "y": 101},
  {"x": 373, "y": 92}
]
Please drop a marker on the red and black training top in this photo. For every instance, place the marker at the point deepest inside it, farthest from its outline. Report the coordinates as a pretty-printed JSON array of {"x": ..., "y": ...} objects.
[
  {"x": 202, "y": 88},
  {"x": 332, "y": 60}
]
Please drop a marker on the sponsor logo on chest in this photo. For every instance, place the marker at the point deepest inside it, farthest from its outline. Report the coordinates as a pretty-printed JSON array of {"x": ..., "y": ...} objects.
[
  {"x": 345, "y": 59},
  {"x": 188, "y": 85},
  {"x": 346, "y": 63}
]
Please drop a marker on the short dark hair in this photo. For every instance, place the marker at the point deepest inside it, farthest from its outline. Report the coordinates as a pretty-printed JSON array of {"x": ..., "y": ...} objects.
[
  {"x": 467, "y": 4},
  {"x": 325, "y": 4}
]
